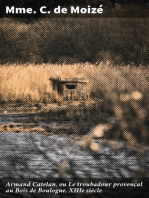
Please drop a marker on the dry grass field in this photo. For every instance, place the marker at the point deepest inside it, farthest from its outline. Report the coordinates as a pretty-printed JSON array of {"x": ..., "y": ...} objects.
[
  {"x": 120, "y": 92},
  {"x": 30, "y": 83}
]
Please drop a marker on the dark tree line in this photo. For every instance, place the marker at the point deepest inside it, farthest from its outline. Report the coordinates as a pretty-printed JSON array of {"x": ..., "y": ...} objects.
[{"x": 75, "y": 40}]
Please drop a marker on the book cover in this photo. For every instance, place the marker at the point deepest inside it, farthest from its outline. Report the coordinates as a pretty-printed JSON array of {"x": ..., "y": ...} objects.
[{"x": 74, "y": 99}]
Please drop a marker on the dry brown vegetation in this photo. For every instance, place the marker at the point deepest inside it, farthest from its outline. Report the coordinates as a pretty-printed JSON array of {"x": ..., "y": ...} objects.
[
  {"x": 120, "y": 92},
  {"x": 30, "y": 83}
]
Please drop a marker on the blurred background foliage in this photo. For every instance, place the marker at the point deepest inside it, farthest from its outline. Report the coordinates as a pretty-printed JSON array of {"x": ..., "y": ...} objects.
[{"x": 119, "y": 40}]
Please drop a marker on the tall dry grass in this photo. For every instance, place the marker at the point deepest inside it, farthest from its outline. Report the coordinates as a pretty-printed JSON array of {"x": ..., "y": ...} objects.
[{"x": 30, "y": 83}]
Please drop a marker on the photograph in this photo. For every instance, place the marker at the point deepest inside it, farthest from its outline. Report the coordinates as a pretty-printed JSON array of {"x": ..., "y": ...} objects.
[{"x": 74, "y": 101}]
